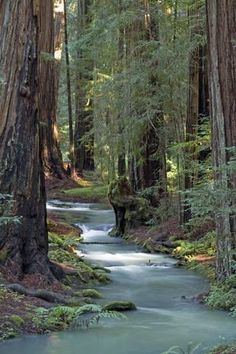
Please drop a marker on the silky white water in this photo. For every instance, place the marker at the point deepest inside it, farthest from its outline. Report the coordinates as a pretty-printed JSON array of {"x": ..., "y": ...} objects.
[{"x": 166, "y": 315}]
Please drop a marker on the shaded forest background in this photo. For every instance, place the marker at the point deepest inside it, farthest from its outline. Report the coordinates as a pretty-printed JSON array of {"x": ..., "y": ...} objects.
[{"x": 139, "y": 80}]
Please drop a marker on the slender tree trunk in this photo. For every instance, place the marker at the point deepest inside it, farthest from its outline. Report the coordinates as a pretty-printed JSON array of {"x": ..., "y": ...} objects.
[
  {"x": 221, "y": 16},
  {"x": 192, "y": 115},
  {"x": 25, "y": 244},
  {"x": 122, "y": 61},
  {"x": 69, "y": 94}
]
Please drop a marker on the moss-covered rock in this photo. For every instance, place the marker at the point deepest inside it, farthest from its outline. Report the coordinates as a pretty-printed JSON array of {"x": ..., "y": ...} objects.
[
  {"x": 91, "y": 293},
  {"x": 120, "y": 306}
]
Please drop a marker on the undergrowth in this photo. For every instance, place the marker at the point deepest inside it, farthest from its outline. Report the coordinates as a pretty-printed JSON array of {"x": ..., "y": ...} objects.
[
  {"x": 62, "y": 317},
  {"x": 204, "y": 246},
  {"x": 223, "y": 295}
]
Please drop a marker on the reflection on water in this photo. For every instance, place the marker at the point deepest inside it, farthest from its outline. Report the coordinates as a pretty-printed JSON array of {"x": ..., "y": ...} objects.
[{"x": 166, "y": 314}]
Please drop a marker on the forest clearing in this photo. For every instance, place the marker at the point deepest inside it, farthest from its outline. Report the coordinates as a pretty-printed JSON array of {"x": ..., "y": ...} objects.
[{"x": 117, "y": 176}]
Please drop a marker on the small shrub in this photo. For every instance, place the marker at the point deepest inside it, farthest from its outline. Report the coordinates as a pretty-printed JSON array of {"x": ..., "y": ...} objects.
[{"x": 222, "y": 297}]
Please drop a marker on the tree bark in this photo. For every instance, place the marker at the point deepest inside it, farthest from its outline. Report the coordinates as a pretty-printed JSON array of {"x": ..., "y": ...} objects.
[
  {"x": 69, "y": 93},
  {"x": 192, "y": 114},
  {"x": 24, "y": 244},
  {"x": 84, "y": 145},
  {"x": 48, "y": 73},
  {"x": 221, "y": 16}
]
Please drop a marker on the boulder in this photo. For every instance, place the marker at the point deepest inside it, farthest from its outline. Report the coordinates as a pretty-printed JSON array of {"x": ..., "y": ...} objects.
[{"x": 120, "y": 306}]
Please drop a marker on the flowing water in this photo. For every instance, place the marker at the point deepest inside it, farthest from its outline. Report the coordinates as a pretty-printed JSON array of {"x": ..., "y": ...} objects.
[{"x": 166, "y": 315}]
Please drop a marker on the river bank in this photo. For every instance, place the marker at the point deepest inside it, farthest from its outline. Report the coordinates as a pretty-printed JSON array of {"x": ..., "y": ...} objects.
[{"x": 21, "y": 300}]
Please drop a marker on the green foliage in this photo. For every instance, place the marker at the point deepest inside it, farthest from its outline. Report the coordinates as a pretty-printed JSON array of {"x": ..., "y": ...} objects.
[
  {"x": 191, "y": 349},
  {"x": 62, "y": 241},
  {"x": 205, "y": 246},
  {"x": 85, "y": 272},
  {"x": 223, "y": 295},
  {"x": 61, "y": 317},
  {"x": 135, "y": 79},
  {"x": 52, "y": 319},
  {"x": 96, "y": 313},
  {"x": 98, "y": 193}
]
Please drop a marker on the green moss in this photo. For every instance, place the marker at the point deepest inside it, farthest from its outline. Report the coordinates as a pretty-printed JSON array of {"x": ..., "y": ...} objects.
[
  {"x": 102, "y": 277},
  {"x": 17, "y": 320},
  {"x": 224, "y": 349},
  {"x": 88, "y": 193},
  {"x": 119, "y": 187},
  {"x": 119, "y": 306},
  {"x": 63, "y": 230},
  {"x": 92, "y": 293}
]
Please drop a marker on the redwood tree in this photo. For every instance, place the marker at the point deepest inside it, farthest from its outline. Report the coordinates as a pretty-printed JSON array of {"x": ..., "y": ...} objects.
[
  {"x": 222, "y": 81},
  {"x": 83, "y": 142},
  {"x": 24, "y": 244},
  {"x": 48, "y": 73}
]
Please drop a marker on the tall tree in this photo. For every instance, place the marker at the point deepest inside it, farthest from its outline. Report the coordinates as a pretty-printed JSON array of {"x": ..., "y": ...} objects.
[
  {"x": 197, "y": 106},
  {"x": 48, "y": 72},
  {"x": 221, "y": 16},
  {"x": 24, "y": 244},
  {"x": 83, "y": 103},
  {"x": 69, "y": 91}
]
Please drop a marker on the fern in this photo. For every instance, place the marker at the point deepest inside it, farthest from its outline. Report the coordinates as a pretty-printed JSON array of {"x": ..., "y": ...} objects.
[
  {"x": 91, "y": 314},
  {"x": 64, "y": 316},
  {"x": 191, "y": 349}
]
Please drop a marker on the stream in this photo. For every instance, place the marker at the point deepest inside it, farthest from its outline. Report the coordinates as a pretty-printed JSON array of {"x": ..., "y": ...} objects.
[{"x": 164, "y": 317}]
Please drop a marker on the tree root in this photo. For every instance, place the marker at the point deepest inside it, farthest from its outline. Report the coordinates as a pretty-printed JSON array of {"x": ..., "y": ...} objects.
[{"x": 43, "y": 294}]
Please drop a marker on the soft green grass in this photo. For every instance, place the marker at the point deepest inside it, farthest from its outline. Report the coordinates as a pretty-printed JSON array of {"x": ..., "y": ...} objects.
[{"x": 95, "y": 193}]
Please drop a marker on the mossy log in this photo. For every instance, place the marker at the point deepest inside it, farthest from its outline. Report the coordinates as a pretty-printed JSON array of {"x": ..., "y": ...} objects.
[{"x": 130, "y": 210}]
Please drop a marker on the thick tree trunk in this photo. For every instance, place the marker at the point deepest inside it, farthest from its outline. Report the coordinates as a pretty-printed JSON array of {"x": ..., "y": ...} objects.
[
  {"x": 48, "y": 73},
  {"x": 84, "y": 146},
  {"x": 24, "y": 244},
  {"x": 222, "y": 59}
]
